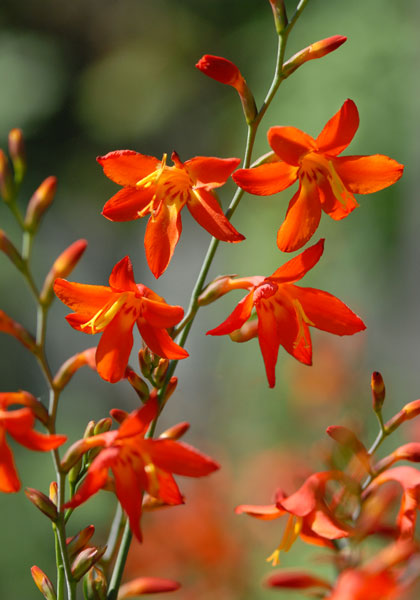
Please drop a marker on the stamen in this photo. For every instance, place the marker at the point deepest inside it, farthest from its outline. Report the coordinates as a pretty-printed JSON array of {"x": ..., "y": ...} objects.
[
  {"x": 104, "y": 316},
  {"x": 302, "y": 318}
]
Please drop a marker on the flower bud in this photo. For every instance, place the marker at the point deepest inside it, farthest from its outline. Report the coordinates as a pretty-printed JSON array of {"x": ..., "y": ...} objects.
[
  {"x": 11, "y": 327},
  {"x": 89, "y": 429},
  {"x": 95, "y": 584},
  {"x": 170, "y": 388},
  {"x": 73, "y": 364},
  {"x": 53, "y": 492},
  {"x": 279, "y": 13},
  {"x": 10, "y": 251},
  {"x": 43, "y": 583},
  {"x": 147, "y": 361},
  {"x": 175, "y": 432},
  {"x": 62, "y": 267},
  {"x": 43, "y": 503},
  {"x": 76, "y": 543},
  {"x": 138, "y": 384},
  {"x": 76, "y": 451},
  {"x": 315, "y": 50},
  {"x": 102, "y": 426},
  {"x": 39, "y": 203},
  {"x": 7, "y": 187},
  {"x": 296, "y": 580},
  {"x": 118, "y": 415},
  {"x": 17, "y": 154},
  {"x": 227, "y": 72},
  {"x": 410, "y": 411},
  {"x": 85, "y": 560},
  {"x": 159, "y": 373},
  {"x": 378, "y": 391},
  {"x": 147, "y": 585}
]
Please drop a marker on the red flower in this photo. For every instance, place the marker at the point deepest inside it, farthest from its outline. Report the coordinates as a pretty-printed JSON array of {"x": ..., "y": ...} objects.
[
  {"x": 326, "y": 181},
  {"x": 223, "y": 70},
  {"x": 19, "y": 424},
  {"x": 309, "y": 515},
  {"x": 138, "y": 464},
  {"x": 285, "y": 311},
  {"x": 151, "y": 187},
  {"x": 114, "y": 310}
]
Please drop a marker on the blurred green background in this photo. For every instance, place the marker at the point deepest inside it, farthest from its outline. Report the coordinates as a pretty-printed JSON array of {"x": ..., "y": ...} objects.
[{"x": 83, "y": 78}]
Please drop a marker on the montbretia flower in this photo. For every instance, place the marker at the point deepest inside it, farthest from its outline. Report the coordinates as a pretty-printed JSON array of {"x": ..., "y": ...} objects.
[
  {"x": 113, "y": 311},
  {"x": 152, "y": 187},
  {"x": 138, "y": 464},
  {"x": 19, "y": 424},
  {"x": 326, "y": 182},
  {"x": 309, "y": 514},
  {"x": 286, "y": 311}
]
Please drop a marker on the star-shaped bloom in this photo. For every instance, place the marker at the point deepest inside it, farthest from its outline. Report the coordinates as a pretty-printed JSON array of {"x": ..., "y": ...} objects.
[
  {"x": 286, "y": 311},
  {"x": 309, "y": 514},
  {"x": 113, "y": 311},
  {"x": 152, "y": 187},
  {"x": 326, "y": 181},
  {"x": 19, "y": 424},
  {"x": 138, "y": 464}
]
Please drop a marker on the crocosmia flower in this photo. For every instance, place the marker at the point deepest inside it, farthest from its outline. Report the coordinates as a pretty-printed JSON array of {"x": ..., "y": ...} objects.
[
  {"x": 308, "y": 514},
  {"x": 285, "y": 312},
  {"x": 138, "y": 464},
  {"x": 326, "y": 181},
  {"x": 113, "y": 311},
  {"x": 151, "y": 187},
  {"x": 19, "y": 424}
]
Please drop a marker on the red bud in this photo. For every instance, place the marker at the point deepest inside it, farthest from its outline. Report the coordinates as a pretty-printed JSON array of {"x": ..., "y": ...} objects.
[{"x": 62, "y": 267}]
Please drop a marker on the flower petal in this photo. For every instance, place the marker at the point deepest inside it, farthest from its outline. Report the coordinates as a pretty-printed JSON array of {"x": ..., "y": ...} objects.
[
  {"x": 302, "y": 218},
  {"x": 160, "y": 314},
  {"x": 168, "y": 489},
  {"x": 266, "y": 512},
  {"x": 340, "y": 129},
  {"x": 327, "y": 312},
  {"x": 297, "y": 267},
  {"x": 237, "y": 318},
  {"x": 160, "y": 342},
  {"x": 39, "y": 441},
  {"x": 127, "y": 167},
  {"x": 85, "y": 299},
  {"x": 114, "y": 348},
  {"x": 128, "y": 488},
  {"x": 266, "y": 179},
  {"x": 162, "y": 235},
  {"x": 367, "y": 174},
  {"x": 180, "y": 458},
  {"x": 122, "y": 277},
  {"x": 9, "y": 480},
  {"x": 126, "y": 204},
  {"x": 211, "y": 171},
  {"x": 290, "y": 144},
  {"x": 138, "y": 421},
  {"x": 206, "y": 210},
  {"x": 335, "y": 199}
]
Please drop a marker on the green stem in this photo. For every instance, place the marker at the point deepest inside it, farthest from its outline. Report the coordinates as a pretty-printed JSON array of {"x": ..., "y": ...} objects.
[
  {"x": 184, "y": 327},
  {"x": 114, "y": 535}
]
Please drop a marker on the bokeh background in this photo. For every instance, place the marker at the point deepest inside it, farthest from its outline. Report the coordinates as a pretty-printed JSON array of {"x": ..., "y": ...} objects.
[{"x": 83, "y": 78}]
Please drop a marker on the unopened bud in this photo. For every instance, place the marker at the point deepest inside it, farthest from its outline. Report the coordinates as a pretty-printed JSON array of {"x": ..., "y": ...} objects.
[
  {"x": 315, "y": 50},
  {"x": 73, "y": 364},
  {"x": 11, "y": 327},
  {"x": 85, "y": 560},
  {"x": 95, "y": 584},
  {"x": 279, "y": 13},
  {"x": 10, "y": 251},
  {"x": 159, "y": 373},
  {"x": 90, "y": 428},
  {"x": 176, "y": 431},
  {"x": 118, "y": 415},
  {"x": 62, "y": 267},
  {"x": 227, "y": 72},
  {"x": 43, "y": 503},
  {"x": 102, "y": 426},
  {"x": 147, "y": 361},
  {"x": 17, "y": 154},
  {"x": 53, "y": 492},
  {"x": 39, "y": 203},
  {"x": 216, "y": 289},
  {"x": 297, "y": 580},
  {"x": 7, "y": 187},
  {"x": 76, "y": 451},
  {"x": 147, "y": 585},
  {"x": 43, "y": 583},
  {"x": 378, "y": 391},
  {"x": 170, "y": 388},
  {"x": 76, "y": 543},
  {"x": 410, "y": 411},
  {"x": 138, "y": 384}
]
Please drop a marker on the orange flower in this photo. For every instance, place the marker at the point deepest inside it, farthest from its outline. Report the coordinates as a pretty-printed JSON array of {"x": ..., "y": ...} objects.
[
  {"x": 138, "y": 464},
  {"x": 309, "y": 514},
  {"x": 326, "y": 181},
  {"x": 114, "y": 310},
  {"x": 19, "y": 424},
  {"x": 151, "y": 187},
  {"x": 285, "y": 311}
]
